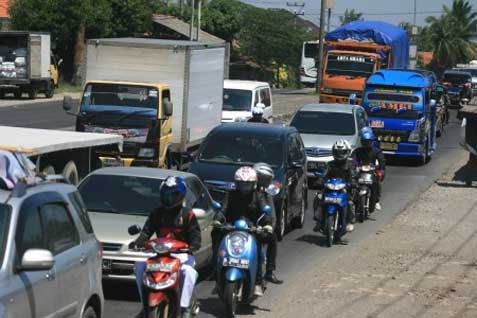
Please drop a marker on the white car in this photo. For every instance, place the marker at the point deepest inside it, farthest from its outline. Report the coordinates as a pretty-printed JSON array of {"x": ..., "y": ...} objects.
[{"x": 241, "y": 96}]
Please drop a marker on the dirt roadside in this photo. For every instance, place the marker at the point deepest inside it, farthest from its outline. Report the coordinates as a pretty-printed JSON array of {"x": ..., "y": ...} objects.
[{"x": 423, "y": 264}]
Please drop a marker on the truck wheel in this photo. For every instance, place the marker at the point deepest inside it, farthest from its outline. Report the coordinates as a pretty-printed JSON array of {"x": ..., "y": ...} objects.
[
  {"x": 32, "y": 93},
  {"x": 50, "y": 90},
  {"x": 70, "y": 172},
  {"x": 18, "y": 94}
]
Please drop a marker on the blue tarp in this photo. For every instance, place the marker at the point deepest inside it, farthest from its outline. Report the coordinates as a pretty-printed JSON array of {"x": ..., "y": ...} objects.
[{"x": 378, "y": 32}]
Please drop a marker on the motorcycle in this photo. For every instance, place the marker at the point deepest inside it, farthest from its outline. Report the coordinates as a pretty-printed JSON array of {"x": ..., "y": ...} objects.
[
  {"x": 238, "y": 262},
  {"x": 334, "y": 200},
  {"x": 161, "y": 279},
  {"x": 366, "y": 198}
]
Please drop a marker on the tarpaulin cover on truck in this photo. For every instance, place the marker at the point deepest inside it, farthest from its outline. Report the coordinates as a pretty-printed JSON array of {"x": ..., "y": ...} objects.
[{"x": 378, "y": 32}]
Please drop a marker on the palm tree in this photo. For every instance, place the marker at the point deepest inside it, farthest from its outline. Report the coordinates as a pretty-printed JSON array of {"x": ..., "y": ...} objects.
[
  {"x": 350, "y": 15},
  {"x": 462, "y": 11}
]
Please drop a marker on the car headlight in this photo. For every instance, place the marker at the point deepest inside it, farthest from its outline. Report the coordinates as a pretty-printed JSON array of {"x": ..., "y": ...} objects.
[
  {"x": 236, "y": 244},
  {"x": 171, "y": 280},
  {"x": 146, "y": 152},
  {"x": 415, "y": 135}
]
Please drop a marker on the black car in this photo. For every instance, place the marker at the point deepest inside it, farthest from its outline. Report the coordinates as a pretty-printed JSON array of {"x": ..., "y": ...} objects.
[
  {"x": 459, "y": 86},
  {"x": 230, "y": 146}
]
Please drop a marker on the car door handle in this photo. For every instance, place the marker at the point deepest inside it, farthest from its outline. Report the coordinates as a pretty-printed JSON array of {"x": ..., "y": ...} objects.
[
  {"x": 84, "y": 259},
  {"x": 50, "y": 275}
]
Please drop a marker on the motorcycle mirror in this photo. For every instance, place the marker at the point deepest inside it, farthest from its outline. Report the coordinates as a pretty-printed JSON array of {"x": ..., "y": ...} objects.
[
  {"x": 433, "y": 103},
  {"x": 216, "y": 205},
  {"x": 134, "y": 229},
  {"x": 267, "y": 209}
]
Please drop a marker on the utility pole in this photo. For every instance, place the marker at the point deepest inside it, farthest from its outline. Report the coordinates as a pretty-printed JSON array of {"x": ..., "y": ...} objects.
[
  {"x": 199, "y": 10},
  {"x": 181, "y": 8},
  {"x": 318, "y": 59},
  {"x": 300, "y": 5},
  {"x": 191, "y": 26},
  {"x": 415, "y": 10},
  {"x": 329, "y": 20}
]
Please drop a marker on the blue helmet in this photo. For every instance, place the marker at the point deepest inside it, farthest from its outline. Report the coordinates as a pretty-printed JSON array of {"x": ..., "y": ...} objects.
[
  {"x": 367, "y": 137},
  {"x": 172, "y": 192}
]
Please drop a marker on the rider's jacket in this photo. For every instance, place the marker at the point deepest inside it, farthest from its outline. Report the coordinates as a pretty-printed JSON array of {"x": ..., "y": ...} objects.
[
  {"x": 249, "y": 206},
  {"x": 366, "y": 156}
]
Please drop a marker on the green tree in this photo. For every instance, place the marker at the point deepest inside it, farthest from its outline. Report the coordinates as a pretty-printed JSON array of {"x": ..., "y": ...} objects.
[
  {"x": 130, "y": 17},
  {"x": 350, "y": 15},
  {"x": 461, "y": 10}
]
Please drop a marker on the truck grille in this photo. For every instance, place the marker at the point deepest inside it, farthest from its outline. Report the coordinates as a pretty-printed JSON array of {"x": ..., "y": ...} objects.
[
  {"x": 111, "y": 247},
  {"x": 391, "y": 135}
]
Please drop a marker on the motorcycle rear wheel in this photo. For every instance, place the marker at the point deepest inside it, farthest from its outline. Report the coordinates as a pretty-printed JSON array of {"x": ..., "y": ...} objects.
[
  {"x": 161, "y": 311},
  {"x": 231, "y": 298},
  {"x": 360, "y": 215},
  {"x": 330, "y": 230}
]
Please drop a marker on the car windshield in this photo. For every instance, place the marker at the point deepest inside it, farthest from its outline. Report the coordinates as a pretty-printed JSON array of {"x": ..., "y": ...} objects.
[
  {"x": 120, "y": 194},
  {"x": 103, "y": 94},
  {"x": 350, "y": 65},
  {"x": 233, "y": 149},
  {"x": 456, "y": 79},
  {"x": 237, "y": 99},
  {"x": 4, "y": 225},
  {"x": 472, "y": 71},
  {"x": 311, "y": 49},
  {"x": 324, "y": 123}
]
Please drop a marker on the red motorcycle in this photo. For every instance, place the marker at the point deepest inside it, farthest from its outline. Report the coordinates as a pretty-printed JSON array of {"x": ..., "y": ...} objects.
[{"x": 161, "y": 282}]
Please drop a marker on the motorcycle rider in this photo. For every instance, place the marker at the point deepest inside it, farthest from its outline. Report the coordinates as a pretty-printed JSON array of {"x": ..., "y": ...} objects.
[
  {"x": 247, "y": 202},
  {"x": 366, "y": 155},
  {"x": 341, "y": 167},
  {"x": 257, "y": 115},
  {"x": 174, "y": 220}
]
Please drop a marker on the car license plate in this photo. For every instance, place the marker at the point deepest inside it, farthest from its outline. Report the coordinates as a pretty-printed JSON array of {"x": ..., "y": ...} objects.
[
  {"x": 388, "y": 146},
  {"x": 236, "y": 262},
  {"x": 377, "y": 124},
  {"x": 112, "y": 162},
  {"x": 332, "y": 200},
  {"x": 107, "y": 264}
]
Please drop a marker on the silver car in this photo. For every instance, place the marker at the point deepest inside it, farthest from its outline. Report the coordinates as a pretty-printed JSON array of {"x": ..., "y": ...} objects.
[
  {"x": 320, "y": 126},
  {"x": 50, "y": 260},
  {"x": 117, "y": 198}
]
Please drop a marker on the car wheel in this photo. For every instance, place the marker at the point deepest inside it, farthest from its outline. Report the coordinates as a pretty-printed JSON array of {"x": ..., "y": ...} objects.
[
  {"x": 282, "y": 221},
  {"x": 89, "y": 313}
]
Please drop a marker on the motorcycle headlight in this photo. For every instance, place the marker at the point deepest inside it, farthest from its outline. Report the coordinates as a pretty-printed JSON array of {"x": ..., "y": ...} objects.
[
  {"x": 340, "y": 186},
  {"x": 146, "y": 152},
  {"x": 236, "y": 244},
  {"x": 335, "y": 187},
  {"x": 171, "y": 280}
]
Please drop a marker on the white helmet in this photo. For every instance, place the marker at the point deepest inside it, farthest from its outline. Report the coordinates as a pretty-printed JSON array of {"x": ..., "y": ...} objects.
[
  {"x": 245, "y": 179},
  {"x": 257, "y": 111},
  {"x": 265, "y": 174},
  {"x": 341, "y": 150}
]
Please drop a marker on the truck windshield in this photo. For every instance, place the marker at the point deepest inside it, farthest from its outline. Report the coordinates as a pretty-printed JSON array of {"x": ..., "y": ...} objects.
[
  {"x": 456, "y": 79},
  {"x": 120, "y": 194},
  {"x": 104, "y": 94},
  {"x": 4, "y": 226},
  {"x": 237, "y": 99},
  {"x": 350, "y": 65},
  {"x": 384, "y": 104},
  {"x": 232, "y": 149},
  {"x": 324, "y": 123}
]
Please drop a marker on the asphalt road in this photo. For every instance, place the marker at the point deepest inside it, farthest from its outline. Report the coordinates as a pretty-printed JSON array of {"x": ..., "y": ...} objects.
[{"x": 301, "y": 249}]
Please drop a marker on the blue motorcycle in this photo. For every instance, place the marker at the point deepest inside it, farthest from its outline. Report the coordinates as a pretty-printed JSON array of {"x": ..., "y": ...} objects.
[
  {"x": 238, "y": 263},
  {"x": 335, "y": 200}
]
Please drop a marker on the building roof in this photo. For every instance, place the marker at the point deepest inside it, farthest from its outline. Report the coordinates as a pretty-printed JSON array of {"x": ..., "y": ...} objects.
[
  {"x": 4, "y": 5},
  {"x": 182, "y": 28},
  {"x": 332, "y": 108},
  {"x": 247, "y": 85}
]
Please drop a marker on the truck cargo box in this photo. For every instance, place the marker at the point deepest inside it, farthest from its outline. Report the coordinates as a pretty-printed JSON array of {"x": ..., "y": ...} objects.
[{"x": 194, "y": 70}]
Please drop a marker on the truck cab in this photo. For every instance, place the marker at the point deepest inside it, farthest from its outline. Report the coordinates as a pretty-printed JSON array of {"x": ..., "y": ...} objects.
[
  {"x": 140, "y": 112},
  {"x": 402, "y": 112}
]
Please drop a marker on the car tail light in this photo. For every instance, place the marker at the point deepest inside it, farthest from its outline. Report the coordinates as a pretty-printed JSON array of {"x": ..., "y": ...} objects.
[{"x": 302, "y": 71}]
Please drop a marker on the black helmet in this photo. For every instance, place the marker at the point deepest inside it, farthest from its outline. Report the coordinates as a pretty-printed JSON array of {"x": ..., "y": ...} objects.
[
  {"x": 341, "y": 150},
  {"x": 265, "y": 174}
]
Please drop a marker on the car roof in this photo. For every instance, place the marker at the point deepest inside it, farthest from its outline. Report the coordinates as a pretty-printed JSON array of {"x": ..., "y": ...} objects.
[
  {"x": 248, "y": 85},
  {"x": 333, "y": 108},
  {"x": 54, "y": 186},
  {"x": 254, "y": 129},
  {"x": 153, "y": 173}
]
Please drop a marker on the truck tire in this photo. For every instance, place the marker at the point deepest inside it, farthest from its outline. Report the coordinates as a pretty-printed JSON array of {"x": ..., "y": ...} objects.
[
  {"x": 70, "y": 172},
  {"x": 50, "y": 90},
  {"x": 18, "y": 94},
  {"x": 32, "y": 93}
]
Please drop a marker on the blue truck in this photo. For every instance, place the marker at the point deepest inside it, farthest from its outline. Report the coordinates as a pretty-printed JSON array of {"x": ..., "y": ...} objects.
[{"x": 402, "y": 113}]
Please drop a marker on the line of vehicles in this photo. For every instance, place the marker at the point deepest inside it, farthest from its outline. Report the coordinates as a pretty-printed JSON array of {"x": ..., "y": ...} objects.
[{"x": 151, "y": 108}]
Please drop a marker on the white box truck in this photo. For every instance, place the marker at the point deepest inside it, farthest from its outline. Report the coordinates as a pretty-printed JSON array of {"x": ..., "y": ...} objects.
[
  {"x": 26, "y": 64},
  {"x": 163, "y": 96}
]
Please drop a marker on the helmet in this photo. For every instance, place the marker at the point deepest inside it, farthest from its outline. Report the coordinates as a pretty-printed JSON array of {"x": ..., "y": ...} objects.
[
  {"x": 245, "y": 180},
  {"x": 257, "y": 111},
  {"x": 172, "y": 192},
  {"x": 367, "y": 137},
  {"x": 341, "y": 150},
  {"x": 265, "y": 174}
]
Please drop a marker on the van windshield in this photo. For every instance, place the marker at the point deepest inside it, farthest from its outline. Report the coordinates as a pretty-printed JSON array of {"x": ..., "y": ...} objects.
[
  {"x": 4, "y": 226},
  {"x": 237, "y": 99},
  {"x": 104, "y": 94},
  {"x": 395, "y": 104},
  {"x": 350, "y": 65},
  {"x": 311, "y": 50}
]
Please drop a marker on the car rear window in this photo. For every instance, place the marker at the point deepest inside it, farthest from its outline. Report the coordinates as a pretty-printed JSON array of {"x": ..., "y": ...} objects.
[
  {"x": 456, "y": 78},
  {"x": 324, "y": 123}
]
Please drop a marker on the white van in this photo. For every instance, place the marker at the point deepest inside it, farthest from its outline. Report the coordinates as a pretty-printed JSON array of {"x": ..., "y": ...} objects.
[
  {"x": 308, "y": 67},
  {"x": 241, "y": 96}
]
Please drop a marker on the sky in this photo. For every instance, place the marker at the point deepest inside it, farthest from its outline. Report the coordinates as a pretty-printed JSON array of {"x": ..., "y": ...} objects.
[{"x": 391, "y": 11}]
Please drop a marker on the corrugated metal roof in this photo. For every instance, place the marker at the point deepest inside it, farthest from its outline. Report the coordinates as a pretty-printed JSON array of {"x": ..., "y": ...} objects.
[
  {"x": 181, "y": 27},
  {"x": 4, "y": 5}
]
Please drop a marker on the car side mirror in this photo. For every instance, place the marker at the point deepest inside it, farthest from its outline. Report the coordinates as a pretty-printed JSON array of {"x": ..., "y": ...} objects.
[
  {"x": 167, "y": 107},
  {"x": 260, "y": 105},
  {"x": 273, "y": 189},
  {"x": 134, "y": 229},
  {"x": 199, "y": 213},
  {"x": 296, "y": 164},
  {"x": 68, "y": 104},
  {"x": 37, "y": 260}
]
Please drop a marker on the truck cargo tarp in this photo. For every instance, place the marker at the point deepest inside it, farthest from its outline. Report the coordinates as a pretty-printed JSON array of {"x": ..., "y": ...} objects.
[
  {"x": 378, "y": 32},
  {"x": 32, "y": 141}
]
